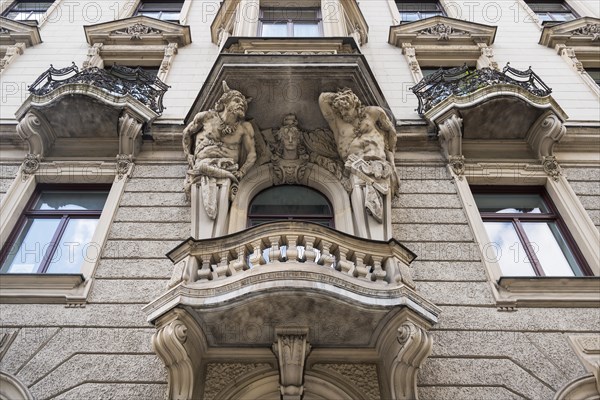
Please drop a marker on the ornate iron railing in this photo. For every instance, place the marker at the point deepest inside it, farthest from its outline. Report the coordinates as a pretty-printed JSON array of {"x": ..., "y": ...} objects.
[
  {"x": 119, "y": 80},
  {"x": 461, "y": 81}
]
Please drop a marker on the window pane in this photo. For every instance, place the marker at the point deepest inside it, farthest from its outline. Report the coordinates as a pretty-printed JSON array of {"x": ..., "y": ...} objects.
[
  {"x": 409, "y": 16},
  {"x": 507, "y": 250},
  {"x": 162, "y": 6},
  {"x": 306, "y": 29},
  {"x": 290, "y": 201},
  {"x": 28, "y": 251},
  {"x": 71, "y": 200},
  {"x": 73, "y": 246},
  {"x": 551, "y": 249},
  {"x": 511, "y": 203},
  {"x": 275, "y": 29}
]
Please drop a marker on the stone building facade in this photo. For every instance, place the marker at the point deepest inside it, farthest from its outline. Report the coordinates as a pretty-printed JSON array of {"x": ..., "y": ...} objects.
[{"x": 252, "y": 199}]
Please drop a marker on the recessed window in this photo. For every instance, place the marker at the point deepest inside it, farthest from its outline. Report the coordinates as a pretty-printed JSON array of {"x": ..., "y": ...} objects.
[
  {"x": 24, "y": 10},
  {"x": 164, "y": 10},
  {"x": 415, "y": 10},
  {"x": 291, "y": 202},
  {"x": 526, "y": 233},
  {"x": 290, "y": 22},
  {"x": 552, "y": 11},
  {"x": 55, "y": 231},
  {"x": 595, "y": 74}
]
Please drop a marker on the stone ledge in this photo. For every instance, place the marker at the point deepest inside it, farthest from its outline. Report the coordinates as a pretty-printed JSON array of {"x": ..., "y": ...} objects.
[{"x": 38, "y": 288}]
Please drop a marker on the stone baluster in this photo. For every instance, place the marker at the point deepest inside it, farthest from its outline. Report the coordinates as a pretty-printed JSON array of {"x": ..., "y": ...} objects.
[
  {"x": 257, "y": 258},
  {"x": 205, "y": 273},
  {"x": 309, "y": 251},
  {"x": 223, "y": 265},
  {"x": 378, "y": 274},
  {"x": 291, "y": 253},
  {"x": 239, "y": 264},
  {"x": 326, "y": 258},
  {"x": 361, "y": 271},
  {"x": 275, "y": 252},
  {"x": 344, "y": 265}
]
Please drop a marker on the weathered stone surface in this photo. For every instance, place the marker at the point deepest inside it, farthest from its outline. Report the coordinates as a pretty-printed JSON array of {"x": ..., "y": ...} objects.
[
  {"x": 590, "y": 202},
  {"x": 446, "y": 251},
  {"x": 116, "y": 391},
  {"x": 154, "y": 185},
  {"x": 582, "y": 174},
  {"x": 516, "y": 346},
  {"x": 138, "y": 249},
  {"x": 126, "y": 291},
  {"x": 483, "y": 372},
  {"x": 558, "y": 350},
  {"x": 50, "y": 315},
  {"x": 422, "y": 172},
  {"x": 5, "y": 184},
  {"x": 457, "y": 293},
  {"x": 153, "y": 199},
  {"x": 466, "y": 393},
  {"x": 70, "y": 341},
  {"x": 428, "y": 216},
  {"x": 154, "y": 214},
  {"x": 524, "y": 319},
  {"x": 448, "y": 271},
  {"x": 153, "y": 268},
  {"x": 437, "y": 201},
  {"x": 9, "y": 171},
  {"x": 432, "y": 233},
  {"x": 595, "y": 216},
  {"x": 25, "y": 344},
  {"x": 134, "y": 230},
  {"x": 586, "y": 188},
  {"x": 99, "y": 368},
  {"x": 427, "y": 186},
  {"x": 160, "y": 171}
]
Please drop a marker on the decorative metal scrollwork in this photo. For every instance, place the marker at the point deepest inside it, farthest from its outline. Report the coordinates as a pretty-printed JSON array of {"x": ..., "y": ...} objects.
[
  {"x": 461, "y": 81},
  {"x": 119, "y": 80}
]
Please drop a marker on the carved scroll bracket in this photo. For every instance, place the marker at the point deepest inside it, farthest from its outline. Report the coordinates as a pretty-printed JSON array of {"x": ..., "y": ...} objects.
[
  {"x": 450, "y": 135},
  {"x": 37, "y": 132},
  {"x": 12, "y": 52},
  {"x": 291, "y": 349},
  {"x": 543, "y": 135},
  {"x": 411, "y": 56},
  {"x": 487, "y": 57},
  {"x": 130, "y": 129}
]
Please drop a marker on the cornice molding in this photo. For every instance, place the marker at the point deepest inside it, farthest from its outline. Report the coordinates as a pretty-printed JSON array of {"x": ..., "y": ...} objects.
[{"x": 580, "y": 32}]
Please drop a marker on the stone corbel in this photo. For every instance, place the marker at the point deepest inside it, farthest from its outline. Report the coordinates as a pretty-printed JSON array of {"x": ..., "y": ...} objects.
[
  {"x": 37, "y": 132},
  {"x": 450, "y": 136},
  {"x": 568, "y": 54},
  {"x": 31, "y": 164},
  {"x": 165, "y": 66},
  {"x": 548, "y": 130},
  {"x": 487, "y": 57},
  {"x": 403, "y": 353},
  {"x": 130, "y": 129},
  {"x": 411, "y": 57},
  {"x": 291, "y": 349},
  {"x": 124, "y": 165},
  {"x": 12, "y": 52},
  {"x": 94, "y": 59},
  {"x": 168, "y": 342}
]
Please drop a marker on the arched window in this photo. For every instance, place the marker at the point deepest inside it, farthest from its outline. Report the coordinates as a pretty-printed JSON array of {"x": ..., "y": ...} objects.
[{"x": 290, "y": 202}]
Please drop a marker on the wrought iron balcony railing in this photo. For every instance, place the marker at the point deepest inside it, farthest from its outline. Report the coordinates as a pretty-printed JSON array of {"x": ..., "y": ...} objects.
[
  {"x": 462, "y": 81},
  {"x": 119, "y": 80}
]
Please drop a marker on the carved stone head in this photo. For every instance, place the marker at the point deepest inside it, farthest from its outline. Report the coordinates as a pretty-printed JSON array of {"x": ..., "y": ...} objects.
[
  {"x": 346, "y": 104},
  {"x": 233, "y": 101}
]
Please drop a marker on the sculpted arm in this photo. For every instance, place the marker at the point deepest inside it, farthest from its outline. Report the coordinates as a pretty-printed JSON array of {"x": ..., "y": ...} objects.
[
  {"x": 188, "y": 135},
  {"x": 249, "y": 148},
  {"x": 325, "y": 101}
]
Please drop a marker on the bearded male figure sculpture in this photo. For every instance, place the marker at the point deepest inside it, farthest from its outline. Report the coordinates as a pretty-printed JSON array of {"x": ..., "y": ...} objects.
[
  {"x": 366, "y": 142},
  {"x": 215, "y": 143}
]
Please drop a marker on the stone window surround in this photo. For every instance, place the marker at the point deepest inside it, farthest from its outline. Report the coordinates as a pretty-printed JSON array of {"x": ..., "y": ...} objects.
[
  {"x": 130, "y": 8},
  {"x": 57, "y": 288},
  {"x": 579, "y": 6},
  {"x": 450, "y": 11},
  {"x": 529, "y": 290},
  {"x": 336, "y": 16},
  {"x": 5, "y": 4},
  {"x": 21, "y": 35}
]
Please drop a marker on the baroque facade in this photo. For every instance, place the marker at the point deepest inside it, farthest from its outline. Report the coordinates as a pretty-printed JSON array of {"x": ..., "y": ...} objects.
[{"x": 252, "y": 199}]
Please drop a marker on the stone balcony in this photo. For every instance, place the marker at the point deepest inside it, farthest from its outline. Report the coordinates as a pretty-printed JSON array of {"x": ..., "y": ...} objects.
[
  {"x": 103, "y": 111},
  {"x": 235, "y": 295}
]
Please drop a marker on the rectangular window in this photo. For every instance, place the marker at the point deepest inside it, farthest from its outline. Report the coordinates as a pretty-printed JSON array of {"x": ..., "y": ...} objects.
[
  {"x": 595, "y": 74},
  {"x": 164, "y": 10},
  {"x": 415, "y": 10},
  {"x": 26, "y": 10},
  {"x": 290, "y": 22},
  {"x": 55, "y": 230},
  {"x": 526, "y": 233},
  {"x": 552, "y": 11}
]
